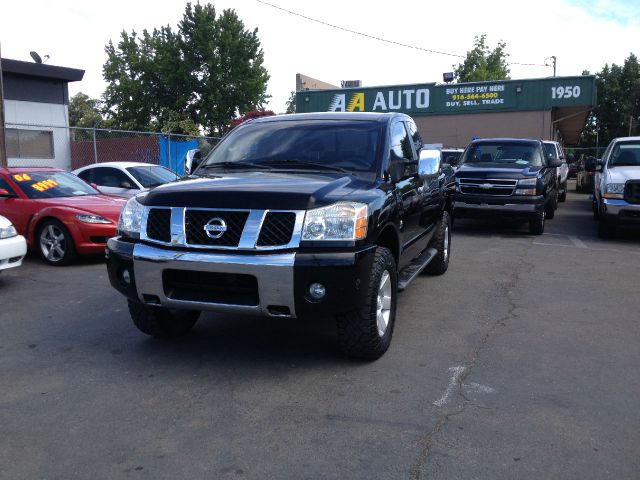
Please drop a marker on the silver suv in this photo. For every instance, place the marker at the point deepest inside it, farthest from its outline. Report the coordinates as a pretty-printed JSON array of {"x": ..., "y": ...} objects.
[{"x": 616, "y": 198}]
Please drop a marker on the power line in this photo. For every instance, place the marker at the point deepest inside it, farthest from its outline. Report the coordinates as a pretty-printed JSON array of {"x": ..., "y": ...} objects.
[{"x": 380, "y": 39}]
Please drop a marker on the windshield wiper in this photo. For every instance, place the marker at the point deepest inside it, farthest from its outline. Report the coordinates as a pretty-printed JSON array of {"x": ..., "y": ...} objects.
[
  {"x": 302, "y": 163},
  {"x": 243, "y": 165}
]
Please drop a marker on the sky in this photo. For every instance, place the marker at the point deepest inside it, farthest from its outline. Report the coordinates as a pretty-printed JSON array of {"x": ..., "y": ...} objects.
[{"x": 581, "y": 34}]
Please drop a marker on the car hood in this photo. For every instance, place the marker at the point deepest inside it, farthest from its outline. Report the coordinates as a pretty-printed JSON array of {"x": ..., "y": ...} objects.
[
  {"x": 622, "y": 174},
  {"x": 259, "y": 190},
  {"x": 495, "y": 171},
  {"x": 103, "y": 205}
]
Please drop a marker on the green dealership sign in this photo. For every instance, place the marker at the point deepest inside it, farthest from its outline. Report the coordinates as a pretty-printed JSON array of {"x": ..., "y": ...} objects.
[{"x": 432, "y": 99}]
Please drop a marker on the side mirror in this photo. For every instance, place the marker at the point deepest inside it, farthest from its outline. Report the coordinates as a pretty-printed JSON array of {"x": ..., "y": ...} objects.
[
  {"x": 554, "y": 163},
  {"x": 429, "y": 163},
  {"x": 5, "y": 193}
]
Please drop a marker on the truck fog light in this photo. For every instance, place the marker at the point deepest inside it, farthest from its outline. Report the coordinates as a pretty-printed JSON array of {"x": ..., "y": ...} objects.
[
  {"x": 126, "y": 277},
  {"x": 317, "y": 291}
]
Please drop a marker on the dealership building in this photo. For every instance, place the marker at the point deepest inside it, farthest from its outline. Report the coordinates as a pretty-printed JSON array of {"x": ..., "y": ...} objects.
[{"x": 554, "y": 108}]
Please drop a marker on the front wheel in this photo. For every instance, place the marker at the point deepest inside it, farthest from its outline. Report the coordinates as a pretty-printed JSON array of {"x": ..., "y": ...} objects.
[
  {"x": 55, "y": 243},
  {"x": 536, "y": 223},
  {"x": 552, "y": 205},
  {"x": 161, "y": 322},
  {"x": 366, "y": 332}
]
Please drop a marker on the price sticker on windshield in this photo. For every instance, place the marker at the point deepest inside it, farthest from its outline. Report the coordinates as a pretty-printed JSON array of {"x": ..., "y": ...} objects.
[
  {"x": 45, "y": 185},
  {"x": 22, "y": 177}
]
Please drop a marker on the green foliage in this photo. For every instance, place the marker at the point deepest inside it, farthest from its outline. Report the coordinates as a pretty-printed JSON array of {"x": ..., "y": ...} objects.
[
  {"x": 85, "y": 112},
  {"x": 483, "y": 64},
  {"x": 194, "y": 79},
  {"x": 617, "y": 113},
  {"x": 291, "y": 103}
]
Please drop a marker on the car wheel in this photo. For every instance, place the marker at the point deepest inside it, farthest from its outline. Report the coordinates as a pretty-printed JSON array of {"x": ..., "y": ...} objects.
[
  {"x": 606, "y": 229},
  {"x": 442, "y": 243},
  {"x": 162, "y": 322},
  {"x": 552, "y": 206},
  {"x": 578, "y": 187},
  {"x": 563, "y": 196},
  {"x": 596, "y": 209},
  {"x": 366, "y": 332},
  {"x": 55, "y": 243},
  {"x": 536, "y": 223}
]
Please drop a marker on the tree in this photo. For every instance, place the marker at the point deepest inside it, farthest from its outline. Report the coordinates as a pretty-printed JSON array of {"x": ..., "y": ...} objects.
[
  {"x": 482, "y": 64},
  {"x": 203, "y": 74},
  {"x": 250, "y": 115},
  {"x": 291, "y": 103},
  {"x": 617, "y": 113},
  {"x": 84, "y": 111}
]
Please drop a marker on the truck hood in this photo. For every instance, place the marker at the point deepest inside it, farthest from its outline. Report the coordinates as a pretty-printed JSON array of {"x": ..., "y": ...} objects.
[
  {"x": 622, "y": 174},
  {"x": 493, "y": 171},
  {"x": 259, "y": 190}
]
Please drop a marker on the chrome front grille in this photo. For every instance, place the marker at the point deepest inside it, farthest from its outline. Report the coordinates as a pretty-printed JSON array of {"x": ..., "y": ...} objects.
[
  {"x": 490, "y": 187},
  {"x": 225, "y": 229},
  {"x": 632, "y": 191}
]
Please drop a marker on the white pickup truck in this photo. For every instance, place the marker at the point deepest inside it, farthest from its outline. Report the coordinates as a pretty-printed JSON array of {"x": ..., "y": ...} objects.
[
  {"x": 616, "y": 198},
  {"x": 554, "y": 151}
]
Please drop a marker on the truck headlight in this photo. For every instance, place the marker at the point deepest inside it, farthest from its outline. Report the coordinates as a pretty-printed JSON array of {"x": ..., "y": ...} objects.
[
  {"x": 89, "y": 218},
  {"x": 614, "y": 190},
  {"x": 527, "y": 186},
  {"x": 340, "y": 221},
  {"x": 8, "y": 232},
  {"x": 130, "y": 218}
]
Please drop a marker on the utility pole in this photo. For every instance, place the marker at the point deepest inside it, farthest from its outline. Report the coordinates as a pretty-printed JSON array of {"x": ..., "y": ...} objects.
[
  {"x": 554, "y": 64},
  {"x": 3, "y": 138}
]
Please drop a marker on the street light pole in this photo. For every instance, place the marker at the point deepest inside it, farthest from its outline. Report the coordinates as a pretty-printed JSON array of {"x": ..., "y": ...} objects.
[
  {"x": 3, "y": 138},
  {"x": 554, "y": 65}
]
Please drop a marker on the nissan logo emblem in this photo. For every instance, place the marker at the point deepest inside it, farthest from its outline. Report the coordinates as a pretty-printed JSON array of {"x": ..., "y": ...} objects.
[{"x": 215, "y": 228}]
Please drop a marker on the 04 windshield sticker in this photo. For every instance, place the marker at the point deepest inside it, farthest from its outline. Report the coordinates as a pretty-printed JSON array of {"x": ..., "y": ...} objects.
[{"x": 39, "y": 186}]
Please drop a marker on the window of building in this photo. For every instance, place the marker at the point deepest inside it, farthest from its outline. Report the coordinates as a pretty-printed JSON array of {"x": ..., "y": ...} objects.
[{"x": 23, "y": 143}]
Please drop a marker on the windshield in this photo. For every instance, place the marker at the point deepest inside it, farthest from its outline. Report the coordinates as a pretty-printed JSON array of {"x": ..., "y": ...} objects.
[
  {"x": 52, "y": 185},
  {"x": 152, "y": 176},
  {"x": 311, "y": 144},
  {"x": 550, "y": 151},
  {"x": 510, "y": 155},
  {"x": 625, "y": 154}
]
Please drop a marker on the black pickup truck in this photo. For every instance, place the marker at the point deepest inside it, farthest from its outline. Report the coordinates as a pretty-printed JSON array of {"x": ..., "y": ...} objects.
[
  {"x": 290, "y": 216},
  {"x": 507, "y": 177}
]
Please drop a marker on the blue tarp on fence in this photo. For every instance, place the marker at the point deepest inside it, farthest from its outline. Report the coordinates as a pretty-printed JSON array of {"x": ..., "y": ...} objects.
[{"x": 174, "y": 159}]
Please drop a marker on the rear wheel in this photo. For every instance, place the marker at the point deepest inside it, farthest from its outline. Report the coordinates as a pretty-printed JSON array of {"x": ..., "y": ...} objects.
[
  {"x": 563, "y": 195},
  {"x": 366, "y": 332},
  {"x": 536, "y": 223},
  {"x": 162, "y": 322},
  {"x": 442, "y": 243},
  {"x": 55, "y": 243}
]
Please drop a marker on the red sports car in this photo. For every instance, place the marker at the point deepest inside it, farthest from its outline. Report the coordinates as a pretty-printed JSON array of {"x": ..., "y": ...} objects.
[{"x": 58, "y": 213}]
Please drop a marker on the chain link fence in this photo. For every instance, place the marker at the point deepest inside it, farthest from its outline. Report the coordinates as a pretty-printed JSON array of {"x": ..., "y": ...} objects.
[{"x": 74, "y": 147}]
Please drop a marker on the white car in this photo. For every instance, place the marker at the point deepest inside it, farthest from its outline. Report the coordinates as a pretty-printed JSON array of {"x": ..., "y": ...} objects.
[
  {"x": 125, "y": 179},
  {"x": 13, "y": 247}
]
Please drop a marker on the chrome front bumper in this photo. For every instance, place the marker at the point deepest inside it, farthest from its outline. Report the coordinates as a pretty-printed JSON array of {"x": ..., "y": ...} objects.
[
  {"x": 614, "y": 206},
  {"x": 507, "y": 207},
  {"x": 274, "y": 274}
]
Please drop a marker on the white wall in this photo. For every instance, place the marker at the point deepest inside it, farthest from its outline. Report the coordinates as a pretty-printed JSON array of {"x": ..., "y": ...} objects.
[{"x": 41, "y": 116}]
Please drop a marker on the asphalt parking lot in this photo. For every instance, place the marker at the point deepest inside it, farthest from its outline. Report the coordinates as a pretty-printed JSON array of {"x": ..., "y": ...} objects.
[{"x": 520, "y": 362}]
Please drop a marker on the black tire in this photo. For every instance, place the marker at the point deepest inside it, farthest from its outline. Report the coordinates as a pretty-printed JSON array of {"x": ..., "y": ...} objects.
[
  {"x": 595, "y": 208},
  {"x": 562, "y": 197},
  {"x": 536, "y": 223},
  {"x": 358, "y": 331},
  {"x": 54, "y": 243},
  {"x": 606, "y": 229},
  {"x": 442, "y": 243},
  {"x": 578, "y": 187},
  {"x": 551, "y": 206},
  {"x": 161, "y": 322}
]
